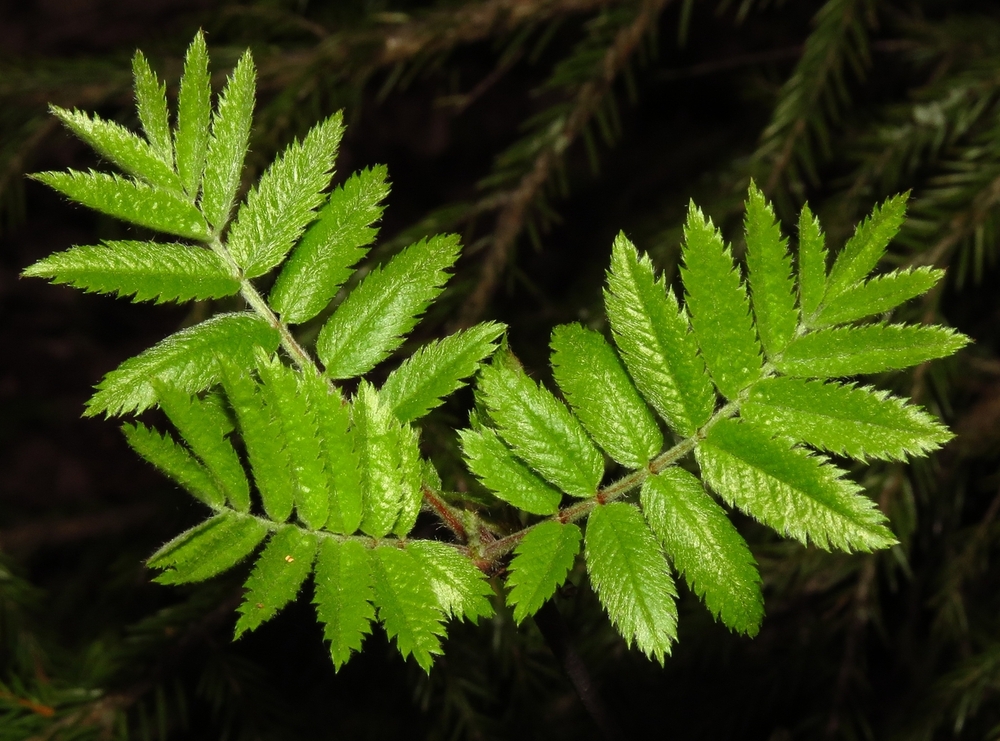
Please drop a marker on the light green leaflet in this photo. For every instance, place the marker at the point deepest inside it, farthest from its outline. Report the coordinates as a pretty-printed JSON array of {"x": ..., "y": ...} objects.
[
  {"x": 344, "y": 596},
  {"x": 812, "y": 264},
  {"x": 186, "y": 359},
  {"x": 337, "y": 240},
  {"x": 214, "y": 546},
  {"x": 631, "y": 578},
  {"x": 462, "y": 590},
  {"x": 151, "y": 105},
  {"x": 770, "y": 270},
  {"x": 276, "y": 577},
  {"x": 176, "y": 462},
  {"x": 372, "y": 320},
  {"x": 194, "y": 111},
  {"x": 595, "y": 384},
  {"x": 652, "y": 333},
  {"x": 719, "y": 308},
  {"x": 877, "y": 296},
  {"x": 144, "y": 270},
  {"x": 282, "y": 204},
  {"x": 540, "y": 429},
  {"x": 844, "y": 419},
  {"x": 704, "y": 546},
  {"x": 541, "y": 562},
  {"x": 797, "y": 494}
]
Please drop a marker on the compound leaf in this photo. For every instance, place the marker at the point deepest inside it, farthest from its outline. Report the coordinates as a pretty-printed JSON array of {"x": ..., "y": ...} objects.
[
  {"x": 540, "y": 429},
  {"x": 283, "y": 202},
  {"x": 186, "y": 359},
  {"x": 540, "y": 565},
  {"x": 800, "y": 495},
  {"x": 436, "y": 370},
  {"x": 144, "y": 270},
  {"x": 494, "y": 464},
  {"x": 276, "y": 577},
  {"x": 176, "y": 462},
  {"x": 844, "y": 419},
  {"x": 631, "y": 578},
  {"x": 770, "y": 270},
  {"x": 344, "y": 594},
  {"x": 651, "y": 332},
  {"x": 337, "y": 240},
  {"x": 151, "y": 105},
  {"x": 851, "y": 351},
  {"x": 462, "y": 590},
  {"x": 214, "y": 546},
  {"x": 194, "y": 112},
  {"x": 596, "y": 386},
  {"x": 866, "y": 246},
  {"x": 877, "y": 296},
  {"x": 812, "y": 263},
  {"x": 228, "y": 142},
  {"x": 129, "y": 200},
  {"x": 372, "y": 320},
  {"x": 704, "y": 546},
  {"x": 407, "y": 604},
  {"x": 719, "y": 308}
]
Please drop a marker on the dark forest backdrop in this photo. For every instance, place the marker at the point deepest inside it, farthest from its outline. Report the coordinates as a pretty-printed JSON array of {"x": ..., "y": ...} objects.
[{"x": 537, "y": 129}]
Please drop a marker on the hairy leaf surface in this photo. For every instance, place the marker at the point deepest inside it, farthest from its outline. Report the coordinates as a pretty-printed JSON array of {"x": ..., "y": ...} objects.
[
  {"x": 214, "y": 546},
  {"x": 652, "y": 334},
  {"x": 376, "y": 315},
  {"x": 812, "y": 263},
  {"x": 844, "y": 419},
  {"x": 344, "y": 596},
  {"x": 194, "y": 112},
  {"x": 880, "y": 294},
  {"x": 541, "y": 562},
  {"x": 282, "y": 204},
  {"x": 719, "y": 307},
  {"x": 631, "y": 578},
  {"x": 151, "y": 105},
  {"x": 277, "y": 576},
  {"x": 407, "y": 605},
  {"x": 186, "y": 359},
  {"x": 851, "y": 351},
  {"x": 175, "y": 461},
  {"x": 144, "y": 270},
  {"x": 541, "y": 429},
  {"x": 802, "y": 496},
  {"x": 462, "y": 590},
  {"x": 704, "y": 546},
  {"x": 336, "y": 241},
  {"x": 595, "y": 384}
]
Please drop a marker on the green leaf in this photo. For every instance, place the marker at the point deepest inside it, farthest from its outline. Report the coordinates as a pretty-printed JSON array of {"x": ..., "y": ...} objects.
[
  {"x": 719, "y": 308},
  {"x": 595, "y": 384},
  {"x": 877, "y": 296},
  {"x": 407, "y": 605},
  {"x": 176, "y": 462},
  {"x": 151, "y": 104},
  {"x": 344, "y": 595},
  {"x": 866, "y": 246},
  {"x": 336, "y": 241},
  {"x": 541, "y": 562},
  {"x": 770, "y": 270},
  {"x": 541, "y": 429},
  {"x": 129, "y": 200},
  {"x": 512, "y": 481},
  {"x": 652, "y": 334},
  {"x": 264, "y": 439},
  {"x": 812, "y": 263},
  {"x": 410, "y": 480},
  {"x": 850, "y": 351},
  {"x": 436, "y": 370},
  {"x": 227, "y": 145},
  {"x": 145, "y": 270},
  {"x": 194, "y": 111},
  {"x": 856, "y": 422},
  {"x": 204, "y": 426},
  {"x": 185, "y": 359},
  {"x": 462, "y": 590},
  {"x": 371, "y": 322},
  {"x": 130, "y": 152},
  {"x": 631, "y": 578},
  {"x": 800, "y": 495},
  {"x": 277, "y": 577},
  {"x": 283, "y": 202},
  {"x": 214, "y": 546},
  {"x": 704, "y": 546},
  {"x": 340, "y": 458},
  {"x": 284, "y": 396}
]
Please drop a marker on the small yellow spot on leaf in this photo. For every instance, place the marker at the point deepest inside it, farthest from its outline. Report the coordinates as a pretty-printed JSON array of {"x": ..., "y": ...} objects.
[{"x": 289, "y": 559}]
